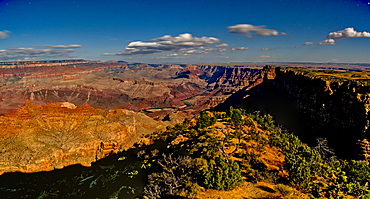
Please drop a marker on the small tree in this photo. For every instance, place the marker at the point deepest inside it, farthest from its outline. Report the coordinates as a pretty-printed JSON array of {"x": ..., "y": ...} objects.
[
  {"x": 221, "y": 174},
  {"x": 205, "y": 120},
  {"x": 235, "y": 115}
]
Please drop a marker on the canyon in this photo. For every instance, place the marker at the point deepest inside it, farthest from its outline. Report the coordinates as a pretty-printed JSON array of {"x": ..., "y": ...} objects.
[
  {"x": 77, "y": 112},
  {"x": 61, "y": 114}
]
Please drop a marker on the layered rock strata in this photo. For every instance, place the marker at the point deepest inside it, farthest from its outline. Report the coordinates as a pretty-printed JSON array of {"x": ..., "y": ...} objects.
[{"x": 41, "y": 138}]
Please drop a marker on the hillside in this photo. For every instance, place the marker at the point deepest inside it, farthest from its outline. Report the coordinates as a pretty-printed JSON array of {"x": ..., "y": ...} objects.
[
  {"x": 46, "y": 137},
  {"x": 221, "y": 151},
  {"x": 213, "y": 155}
]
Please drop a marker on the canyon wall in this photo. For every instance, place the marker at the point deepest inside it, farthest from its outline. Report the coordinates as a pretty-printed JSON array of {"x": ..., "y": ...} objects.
[
  {"x": 333, "y": 107},
  {"x": 321, "y": 104},
  {"x": 45, "y": 137}
]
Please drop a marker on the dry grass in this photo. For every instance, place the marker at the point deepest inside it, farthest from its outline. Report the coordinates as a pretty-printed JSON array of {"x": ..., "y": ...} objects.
[
  {"x": 253, "y": 191},
  {"x": 332, "y": 75}
]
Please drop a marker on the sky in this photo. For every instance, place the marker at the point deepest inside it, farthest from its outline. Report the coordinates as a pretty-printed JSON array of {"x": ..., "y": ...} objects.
[{"x": 186, "y": 31}]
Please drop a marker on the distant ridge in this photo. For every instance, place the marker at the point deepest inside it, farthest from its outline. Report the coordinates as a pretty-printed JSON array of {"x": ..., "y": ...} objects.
[{"x": 43, "y": 62}]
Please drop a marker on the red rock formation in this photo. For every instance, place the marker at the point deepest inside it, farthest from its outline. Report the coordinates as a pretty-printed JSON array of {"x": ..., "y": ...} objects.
[
  {"x": 41, "y": 138},
  {"x": 191, "y": 72}
]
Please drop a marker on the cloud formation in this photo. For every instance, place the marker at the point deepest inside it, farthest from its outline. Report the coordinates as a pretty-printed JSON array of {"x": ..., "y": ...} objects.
[
  {"x": 264, "y": 56},
  {"x": 61, "y": 46},
  {"x": 22, "y": 54},
  {"x": 268, "y": 49},
  {"x": 347, "y": 33},
  {"x": 174, "y": 55},
  {"x": 327, "y": 42},
  {"x": 212, "y": 50},
  {"x": 248, "y": 29},
  {"x": 202, "y": 50},
  {"x": 222, "y": 45},
  {"x": 166, "y": 43},
  {"x": 308, "y": 43},
  {"x": 4, "y": 34}
]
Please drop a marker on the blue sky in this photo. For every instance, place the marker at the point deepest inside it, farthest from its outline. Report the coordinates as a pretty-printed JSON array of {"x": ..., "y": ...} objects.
[{"x": 186, "y": 31}]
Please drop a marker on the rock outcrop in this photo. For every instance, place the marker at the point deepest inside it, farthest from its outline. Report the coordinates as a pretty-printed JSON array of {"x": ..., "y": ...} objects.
[
  {"x": 41, "y": 138},
  {"x": 334, "y": 107}
]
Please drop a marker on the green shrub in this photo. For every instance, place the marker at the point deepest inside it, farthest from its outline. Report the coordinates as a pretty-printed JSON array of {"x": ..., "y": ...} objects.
[
  {"x": 205, "y": 120},
  {"x": 235, "y": 115},
  {"x": 284, "y": 190},
  {"x": 221, "y": 174}
]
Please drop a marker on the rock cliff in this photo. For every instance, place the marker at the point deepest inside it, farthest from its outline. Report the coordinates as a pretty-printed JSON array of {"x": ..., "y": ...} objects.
[
  {"x": 41, "y": 138},
  {"x": 335, "y": 105}
]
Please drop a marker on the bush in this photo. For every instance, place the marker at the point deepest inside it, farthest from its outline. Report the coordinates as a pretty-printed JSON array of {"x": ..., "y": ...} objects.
[
  {"x": 235, "y": 115},
  {"x": 221, "y": 174},
  {"x": 205, "y": 120},
  {"x": 284, "y": 190},
  {"x": 265, "y": 121},
  {"x": 174, "y": 173}
]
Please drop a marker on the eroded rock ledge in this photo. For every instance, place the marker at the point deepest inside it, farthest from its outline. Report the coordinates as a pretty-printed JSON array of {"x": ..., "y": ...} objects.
[{"x": 45, "y": 137}]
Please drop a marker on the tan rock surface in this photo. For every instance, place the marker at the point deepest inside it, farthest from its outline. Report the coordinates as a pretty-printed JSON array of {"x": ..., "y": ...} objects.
[{"x": 44, "y": 137}]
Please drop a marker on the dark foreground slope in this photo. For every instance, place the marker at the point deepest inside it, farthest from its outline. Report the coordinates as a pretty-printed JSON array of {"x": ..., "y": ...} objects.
[
  {"x": 216, "y": 154},
  {"x": 216, "y": 150}
]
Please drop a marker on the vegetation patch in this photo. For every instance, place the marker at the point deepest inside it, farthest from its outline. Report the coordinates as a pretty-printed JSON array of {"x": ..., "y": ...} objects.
[
  {"x": 361, "y": 78},
  {"x": 227, "y": 150}
]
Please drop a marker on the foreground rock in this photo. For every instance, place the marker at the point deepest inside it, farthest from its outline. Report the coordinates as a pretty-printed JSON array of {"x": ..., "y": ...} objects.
[{"x": 41, "y": 138}]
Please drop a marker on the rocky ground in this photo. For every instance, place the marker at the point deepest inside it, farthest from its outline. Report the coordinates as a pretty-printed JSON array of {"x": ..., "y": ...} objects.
[{"x": 45, "y": 137}]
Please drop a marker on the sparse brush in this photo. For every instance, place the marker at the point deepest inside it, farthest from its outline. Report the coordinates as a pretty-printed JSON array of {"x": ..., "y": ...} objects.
[{"x": 284, "y": 190}]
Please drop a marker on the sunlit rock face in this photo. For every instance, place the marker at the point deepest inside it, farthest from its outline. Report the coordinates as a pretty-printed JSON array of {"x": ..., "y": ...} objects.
[{"x": 44, "y": 137}]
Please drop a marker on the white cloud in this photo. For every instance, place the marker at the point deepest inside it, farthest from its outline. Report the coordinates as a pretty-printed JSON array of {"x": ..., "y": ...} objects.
[
  {"x": 222, "y": 45},
  {"x": 268, "y": 49},
  {"x": 264, "y": 56},
  {"x": 308, "y": 43},
  {"x": 248, "y": 29},
  {"x": 204, "y": 50},
  {"x": 346, "y": 33},
  {"x": 4, "y": 34},
  {"x": 201, "y": 50},
  {"x": 174, "y": 55},
  {"x": 224, "y": 57},
  {"x": 61, "y": 46},
  {"x": 21, "y": 54},
  {"x": 166, "y": 43},
  {"x": 327, "y": 42},
  {"x": 238, "y": 48},
  {"x": 212, "y": 50}
]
